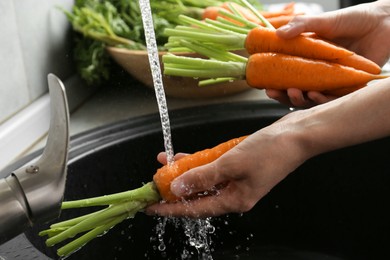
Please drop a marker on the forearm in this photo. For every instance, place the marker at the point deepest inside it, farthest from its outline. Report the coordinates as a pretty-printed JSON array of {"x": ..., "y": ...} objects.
[{"x": 356, "y": 118}]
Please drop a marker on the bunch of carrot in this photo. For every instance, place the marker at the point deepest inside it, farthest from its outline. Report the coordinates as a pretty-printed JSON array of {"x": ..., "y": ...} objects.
[
  {"x": 306, "y": 62},
  {"x": 124, "y": 205},
  {"x": 276, "y": 18}
]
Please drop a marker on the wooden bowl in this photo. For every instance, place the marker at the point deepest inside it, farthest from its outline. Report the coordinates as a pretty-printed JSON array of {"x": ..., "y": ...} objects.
[{"x": 136, "y": 63}]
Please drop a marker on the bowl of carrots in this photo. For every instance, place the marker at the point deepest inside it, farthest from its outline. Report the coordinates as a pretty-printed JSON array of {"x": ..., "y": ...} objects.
[{"x": 136, "y": 63}]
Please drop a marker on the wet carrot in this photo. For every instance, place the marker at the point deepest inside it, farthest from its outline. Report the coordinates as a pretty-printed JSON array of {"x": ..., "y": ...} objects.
[
  {"x": 124, "y": 205},
  {"x": 281, "y": 71},
  {"x": 166, "y": 174},
  {"x": 263, "y": 39}
]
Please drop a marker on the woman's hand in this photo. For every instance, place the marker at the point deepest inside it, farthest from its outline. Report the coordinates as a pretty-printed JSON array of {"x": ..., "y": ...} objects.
[
  {"x": 364, "y": 29},
  {"x": 239, "y": 178},
  {"x": 296, "y": 98}
]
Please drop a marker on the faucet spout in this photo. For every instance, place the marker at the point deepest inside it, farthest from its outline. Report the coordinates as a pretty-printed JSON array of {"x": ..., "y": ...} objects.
[{"x": 34, "y": 192}]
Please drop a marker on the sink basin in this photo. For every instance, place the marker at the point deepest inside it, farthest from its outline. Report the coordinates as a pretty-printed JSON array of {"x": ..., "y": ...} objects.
[{"x": 332, "y": 207}]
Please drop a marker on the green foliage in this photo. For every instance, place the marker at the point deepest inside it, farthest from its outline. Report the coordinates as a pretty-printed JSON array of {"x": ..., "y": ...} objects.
[{"x": 118, "y": 23}]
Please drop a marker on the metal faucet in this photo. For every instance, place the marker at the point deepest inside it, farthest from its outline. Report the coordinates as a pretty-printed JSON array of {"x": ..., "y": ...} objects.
[{"x": 34, "y": 193}]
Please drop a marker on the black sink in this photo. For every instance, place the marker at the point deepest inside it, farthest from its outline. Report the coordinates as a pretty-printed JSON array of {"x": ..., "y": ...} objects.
[{"x": 332, "y": 207}]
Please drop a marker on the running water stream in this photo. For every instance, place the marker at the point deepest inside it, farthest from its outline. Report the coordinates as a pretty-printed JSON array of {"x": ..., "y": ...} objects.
[
  {"x": 155, "y": 68},
  {"x": 196, "y": 231}
]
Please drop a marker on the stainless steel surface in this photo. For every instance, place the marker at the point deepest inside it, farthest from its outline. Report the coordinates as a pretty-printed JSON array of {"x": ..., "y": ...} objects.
[{"x": 34, "y": 192}]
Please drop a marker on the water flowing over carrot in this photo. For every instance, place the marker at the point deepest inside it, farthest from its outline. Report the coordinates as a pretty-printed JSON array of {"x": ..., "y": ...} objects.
[
  {"x": 125, "y": 205},
  {"x": 165, "y": 175}
]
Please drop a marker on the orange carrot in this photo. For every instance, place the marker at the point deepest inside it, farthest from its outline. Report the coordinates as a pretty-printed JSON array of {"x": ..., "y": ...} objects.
[
  {"x": 307, "y": 45},
  {"x": 281, "y": 71},
  {"x": 166, "y": 174},
  {"x": 245, "y": 12},
  {"x": 281, "y": 20},
  {"x": 355, "y": 60},
  {"x": 263, "y": 39},
  {"x": 212, "y": 12},
  {"x": 124, "y": 205},
  {"x": 287, "y": 10},
  {"x": 359, "y": 62},
  {"x": 278, "y": 18}
]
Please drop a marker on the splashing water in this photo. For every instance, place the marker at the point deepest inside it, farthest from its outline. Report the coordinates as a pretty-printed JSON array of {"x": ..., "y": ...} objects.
[
  {"x": 154, "y": 62},
  {"x": 196, "y": 230}
]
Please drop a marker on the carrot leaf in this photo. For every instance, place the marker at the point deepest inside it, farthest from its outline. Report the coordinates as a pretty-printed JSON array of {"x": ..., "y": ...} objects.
[{"x": 120, "y": 206}]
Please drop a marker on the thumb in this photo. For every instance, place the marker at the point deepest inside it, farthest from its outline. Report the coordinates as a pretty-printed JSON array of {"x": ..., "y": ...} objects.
[
  {"x": 295, "y": 27},
  {"x": 199, "y": 179},
  {"x": 301, "y": 24}
]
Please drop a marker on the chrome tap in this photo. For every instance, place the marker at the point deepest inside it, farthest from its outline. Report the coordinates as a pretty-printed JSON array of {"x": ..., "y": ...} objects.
[{"x": 34, "y": 193}]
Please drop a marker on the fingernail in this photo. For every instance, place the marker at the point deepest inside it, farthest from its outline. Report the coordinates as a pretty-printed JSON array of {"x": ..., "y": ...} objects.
[
  {"x": 178, "y": 188},
  {"x": 285, "y": 28}
]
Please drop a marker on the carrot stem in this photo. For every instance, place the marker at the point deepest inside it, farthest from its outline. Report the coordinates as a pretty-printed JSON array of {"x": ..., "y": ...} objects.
[
  {"x": 73, "y": 221},
  {"x": 146, "y": 192},
  {"x": 207, "y": 82},
  {"x": 236, "y": 41},
  {"x": 206, "y": 26},
  {"x": 127, "y": 208},
  {"x": 260, "y": 16},
  {"x": 202, "y": 68},
  {"x": 84, "y": 239},
  {"x": 121, "y": 206},
  {"x": 231, "y": 27},
  {"x": 239, "y": 19},
  {"x": 213, "y": 53}
]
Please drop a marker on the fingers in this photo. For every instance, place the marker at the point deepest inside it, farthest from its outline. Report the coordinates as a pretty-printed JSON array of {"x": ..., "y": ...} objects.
[
  {"x": 162, "y": 157},
  {"x": 203, "y": 207},
  {"x": 279, "y": 96},
  {"x": 200, "y": 179},
  {"x": 225, "y": 200},
  {"x": 319, "y": 98},
  {"x": 305, "y": 23},
  {"x": 297, "y": 98}
]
